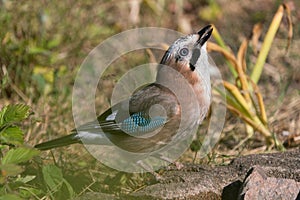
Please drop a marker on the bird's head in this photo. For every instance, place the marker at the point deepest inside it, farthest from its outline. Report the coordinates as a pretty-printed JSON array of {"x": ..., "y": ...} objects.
[{"x": 188, "y": 55}]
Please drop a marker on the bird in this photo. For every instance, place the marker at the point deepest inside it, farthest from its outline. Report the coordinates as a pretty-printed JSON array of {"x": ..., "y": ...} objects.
[{"x": 159, "y": 112}]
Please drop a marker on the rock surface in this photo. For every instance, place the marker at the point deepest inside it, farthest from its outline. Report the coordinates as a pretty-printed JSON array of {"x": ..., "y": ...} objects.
[
  {"x": 258, "y": 185},
  {"x": 272, "y": 176}
]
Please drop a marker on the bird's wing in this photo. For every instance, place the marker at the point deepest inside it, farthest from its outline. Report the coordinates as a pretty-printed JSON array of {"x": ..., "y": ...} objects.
[
  {"x": 124, "y": 120},
  {"x": 132, "y": 117}
]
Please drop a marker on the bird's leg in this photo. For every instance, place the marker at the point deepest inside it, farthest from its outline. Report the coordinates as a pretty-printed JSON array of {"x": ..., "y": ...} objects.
[
  {"x": 147, "y": 168},
  {"x": 177, "y": 164}
]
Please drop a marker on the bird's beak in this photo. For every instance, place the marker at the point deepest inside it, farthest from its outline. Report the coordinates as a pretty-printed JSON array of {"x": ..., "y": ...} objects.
[{"x": 204, "y": 34}]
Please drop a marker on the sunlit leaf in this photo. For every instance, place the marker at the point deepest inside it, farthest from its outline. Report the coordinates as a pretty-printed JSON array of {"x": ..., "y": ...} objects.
[
  {"x": 10, "y": 169},
  {"x": 37, "y": 50},
  {"x": 19, "y": 155},
  {"x": 55, "y": 41},
  {"x": 25, "y": 179},
  {"x": 46, "y": 72},
  {"x": 14, "y": 113},
  {"x": 12, "y": 135}
]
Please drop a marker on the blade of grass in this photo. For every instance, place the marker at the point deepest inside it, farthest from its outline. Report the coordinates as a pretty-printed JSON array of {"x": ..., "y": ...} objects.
[
  {"x": 241, "y": 56},
  {"x": 241, "y": 61},
  {"x": 218, "y": 37},
  {"x": 290, "y": 34},
  {"x": 221, "y": 42},
  {"x": 261, "y": 105},
  {"x": 237, "y": 95},
  {"x": 255, "y": 124},
  {"x": 256, "y": 33},
  {"x": 243, "y": 82},
  {"x": 230, "y": 58},
  {"x": 258, "y": 67}
]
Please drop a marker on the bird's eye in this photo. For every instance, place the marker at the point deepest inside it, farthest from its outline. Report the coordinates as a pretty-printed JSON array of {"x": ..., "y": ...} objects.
[{"x": 184, "y": 52}]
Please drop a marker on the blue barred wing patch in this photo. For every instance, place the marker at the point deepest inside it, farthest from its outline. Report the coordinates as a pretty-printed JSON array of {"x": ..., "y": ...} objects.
[{"x": 138, "y": 124}]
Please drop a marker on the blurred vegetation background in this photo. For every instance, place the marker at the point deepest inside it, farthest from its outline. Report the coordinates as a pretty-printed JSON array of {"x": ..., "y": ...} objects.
[{"x": 43, "y": 43}]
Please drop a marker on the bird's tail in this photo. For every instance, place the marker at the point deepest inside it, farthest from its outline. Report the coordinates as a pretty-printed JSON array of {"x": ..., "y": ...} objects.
[{"x": 59, "y": 142}]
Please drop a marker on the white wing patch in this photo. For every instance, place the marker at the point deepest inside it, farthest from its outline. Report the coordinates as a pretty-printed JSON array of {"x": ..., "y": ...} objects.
[
  {"x": 112, "y": 116},
  {"x": 92, "y": 138}
]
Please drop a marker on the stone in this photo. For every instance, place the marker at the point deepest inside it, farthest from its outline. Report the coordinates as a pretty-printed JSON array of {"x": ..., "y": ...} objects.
[
  {"x": 258, "y": 185},
  {"x": 258, "y": 176}
]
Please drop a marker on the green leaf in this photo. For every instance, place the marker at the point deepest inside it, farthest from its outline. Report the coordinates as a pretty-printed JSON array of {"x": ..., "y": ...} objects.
[
  {"x": 2, "y": 182},
  {"x": 10, "y": 197},
  {"x": 2, "y": 114},
  {"x": 55, "y": 41},
  {"x": 211, "y": 12},
  {"x": 53, "y": 177},
  {"x": 11, "y": 169},
  {"x": 19, "y": 155},
  {"x": 25, "y": 179},
  {"x": 4, "y": 81},
  {"x": 12, "y": 135},
  {"x": 40, "y": 82},
  {"x": 29, "y": 192},
  {"x": 38, "y": 50},
  {"x": 13, "y": 114},
  {"x": 195, "y": 146},
  {"x": 70, "y": 189}
]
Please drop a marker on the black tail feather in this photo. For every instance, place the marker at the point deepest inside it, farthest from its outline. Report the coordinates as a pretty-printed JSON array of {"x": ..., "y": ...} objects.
[{"x": 59, "y": 142}]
